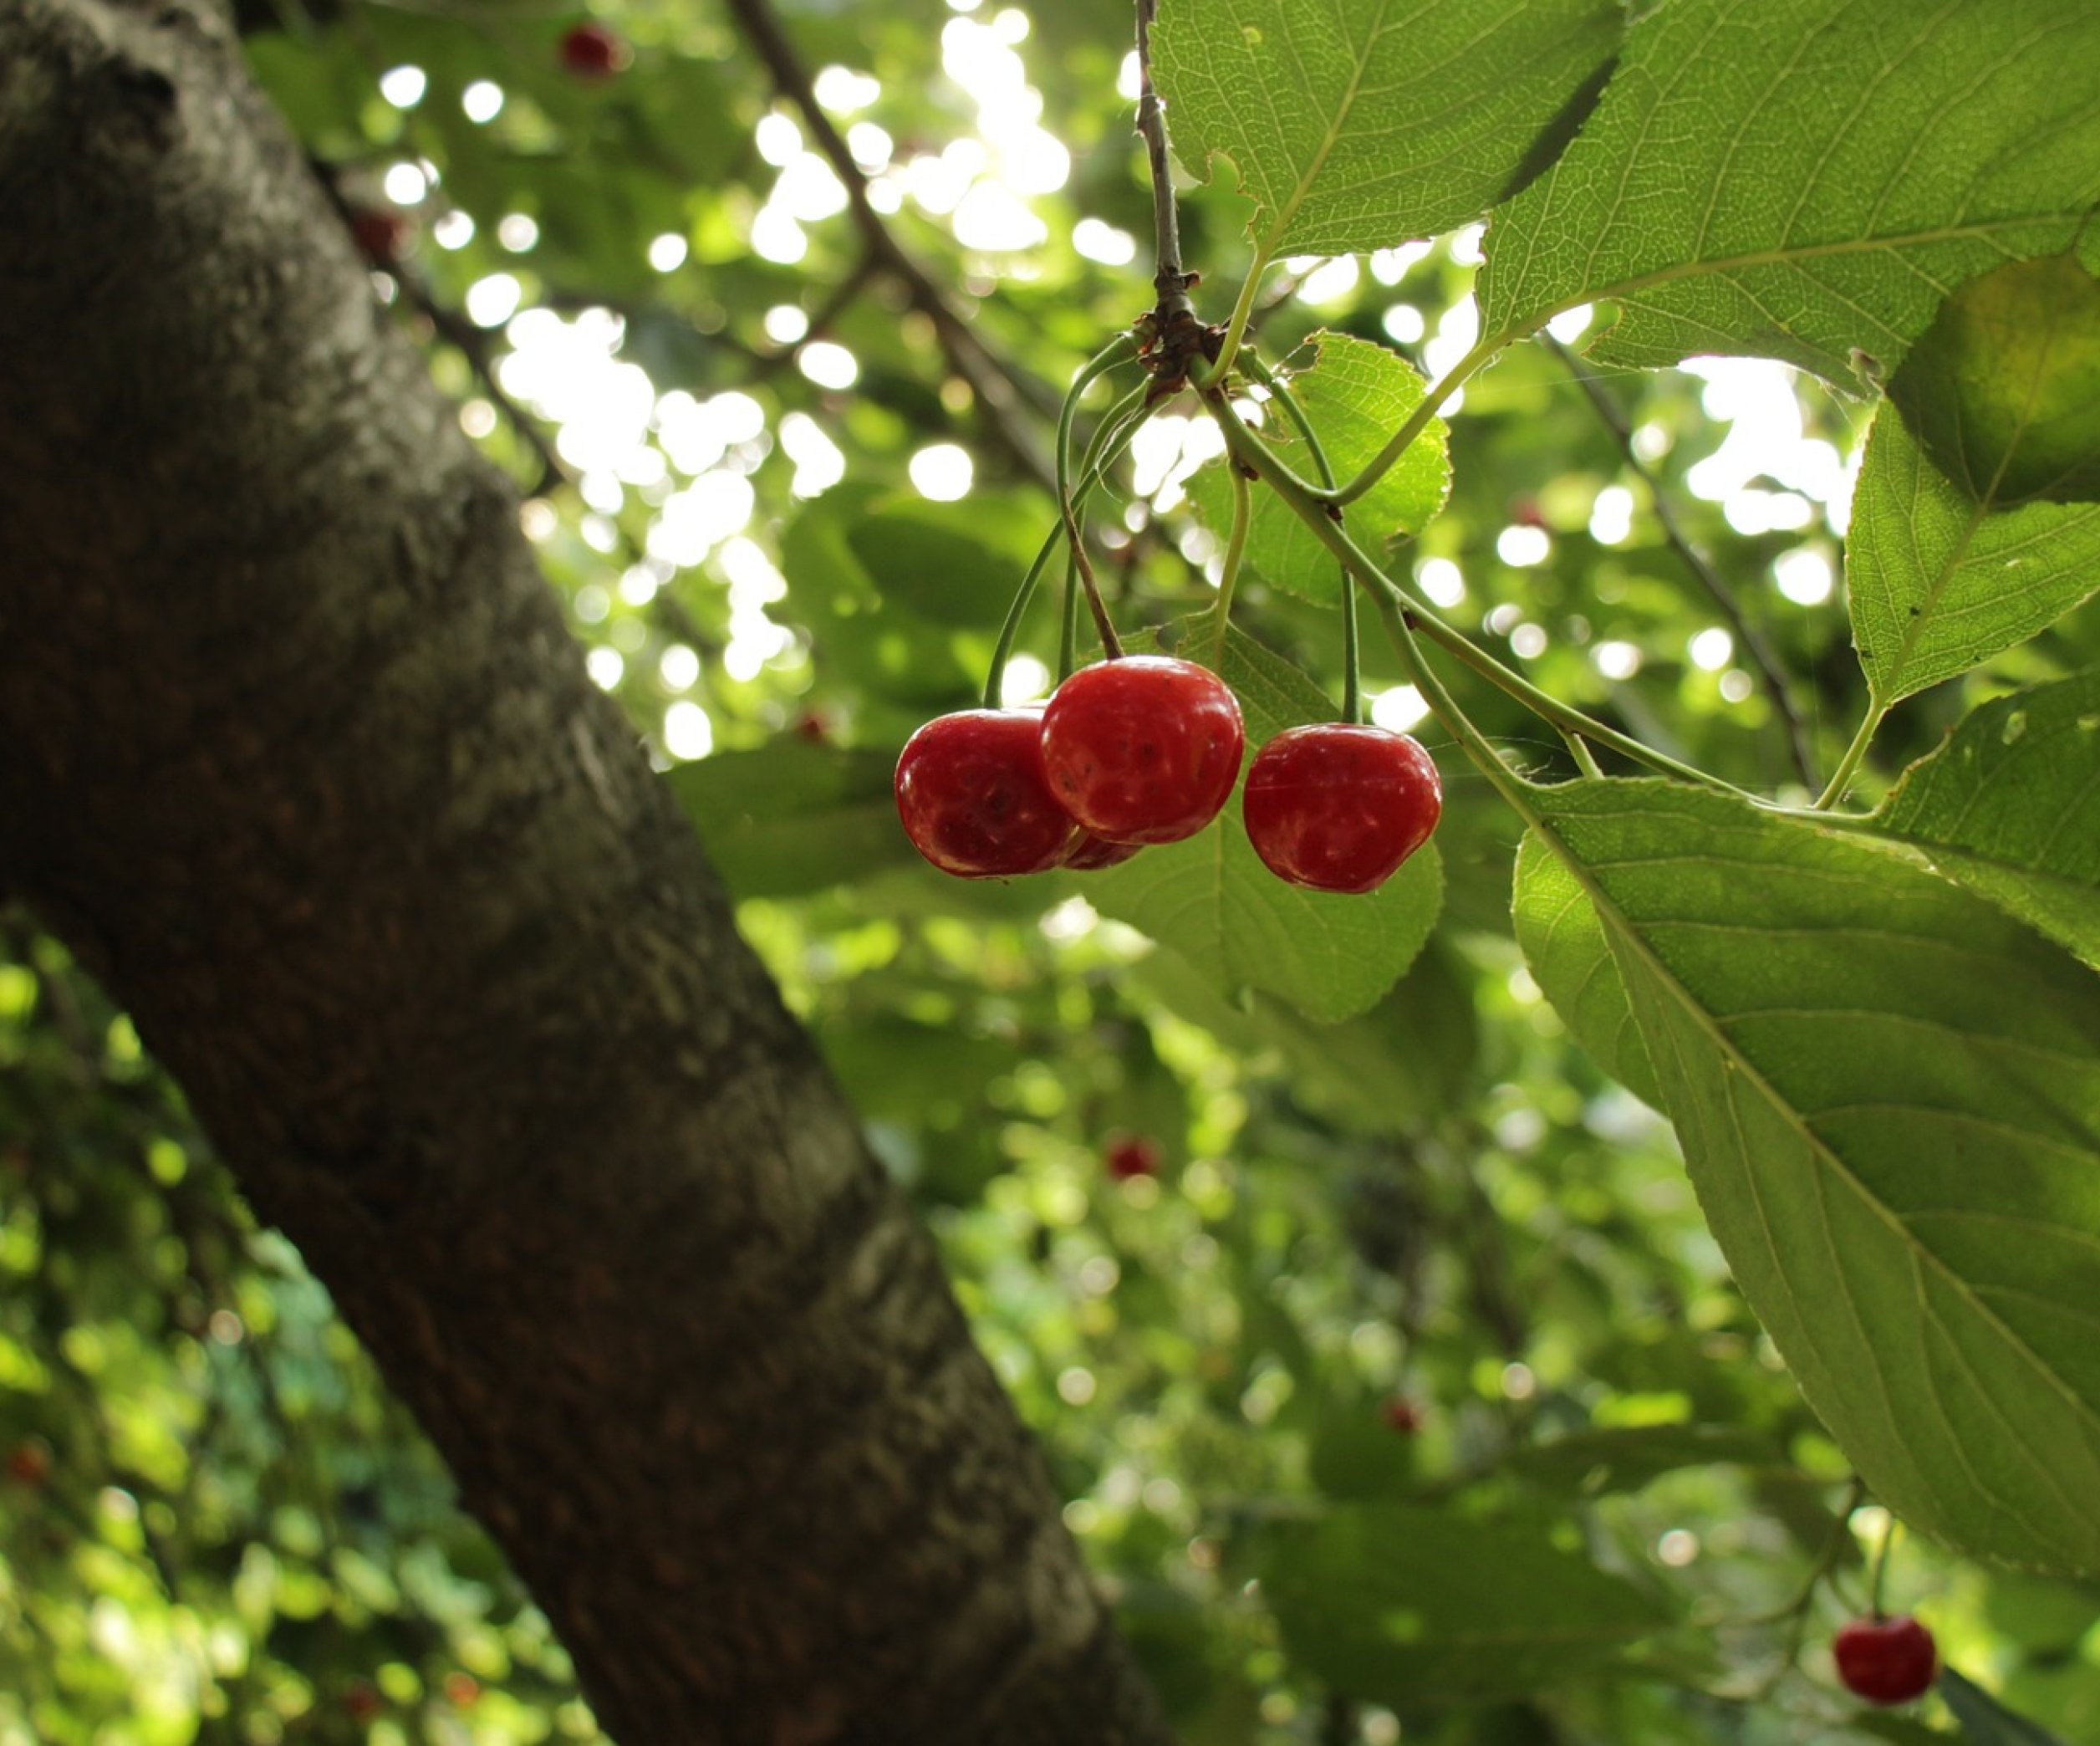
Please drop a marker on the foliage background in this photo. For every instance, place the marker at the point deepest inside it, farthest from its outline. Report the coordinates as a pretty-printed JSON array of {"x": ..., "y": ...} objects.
[{"x": 657, "y": 307}]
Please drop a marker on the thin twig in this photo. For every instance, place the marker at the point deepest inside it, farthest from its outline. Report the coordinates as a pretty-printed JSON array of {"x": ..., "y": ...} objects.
[
  {"x": 1179, "y": 339},
  {"x": 998, "y": 387},
  {"x": 1747, "y": 635},
  {"x": 1169, "y": 281},
  {"x": 472, "y": 344}
]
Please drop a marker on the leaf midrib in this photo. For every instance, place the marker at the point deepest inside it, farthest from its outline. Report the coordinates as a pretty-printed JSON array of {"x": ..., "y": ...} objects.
[{"x": 1706, "y": 1023}]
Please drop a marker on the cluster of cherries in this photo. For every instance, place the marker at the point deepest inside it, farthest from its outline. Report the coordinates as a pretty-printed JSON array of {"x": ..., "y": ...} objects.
[{"x": 1145, "y": 748}]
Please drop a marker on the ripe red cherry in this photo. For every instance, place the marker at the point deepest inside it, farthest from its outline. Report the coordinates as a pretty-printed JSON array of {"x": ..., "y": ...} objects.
[
  {"x": 1403, "y": 1415},
  {"x": 30, "y": 1464},
  {"x": 1886, "y": 1661},
  {"x": 1338, "y": 807},
  {"x": 1090, "y": 852},
  {"x": 1143, "y": 750},
  {"x": 592, "y": 50},
  {"x": 381, "y": 234},
  {"x": 1133, "y": 1155},
  {"x": 974, "y": 799}
]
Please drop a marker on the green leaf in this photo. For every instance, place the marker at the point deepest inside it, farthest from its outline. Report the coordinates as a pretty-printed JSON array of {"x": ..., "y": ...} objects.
[
  {"x": 1563, "y": 942},
  {"x": 1211, "y": 899},
  {"x": 1356, "y": 394},
  {"x": 2003, "y": 392},
  {"x": 790, "y": 817},
  {"x": 2010, "y": 806},
  {"x": 1985, "y": 1720},
  {"x": 1937, "y": 582},
  {"x": 1886, "y": 1093},
  {"x": 1803, "y": 180},
  {"x": 1355, "y": 124},
  {"x": 1407, "y": 1606}
]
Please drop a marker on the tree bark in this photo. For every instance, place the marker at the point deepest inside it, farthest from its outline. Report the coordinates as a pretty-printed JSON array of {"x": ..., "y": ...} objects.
[{"x": 295, "y": 751}]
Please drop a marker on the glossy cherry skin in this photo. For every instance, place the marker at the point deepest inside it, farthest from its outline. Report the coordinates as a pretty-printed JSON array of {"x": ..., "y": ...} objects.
[
  {"x": 1337, "y": 807},
  {"x": 592, "y": 50},
  {"x": 974, "y": 799},
  {"x": 1091, "y": 852},
  {"x": 1143, "y": 750},
  {"x": 1886, "y": 1661}
]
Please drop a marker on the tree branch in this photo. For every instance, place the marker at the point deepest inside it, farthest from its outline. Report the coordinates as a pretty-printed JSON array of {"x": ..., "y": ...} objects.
[
  {"x": 999, "y": 389},
  {"x": 1777, "y": 686}
]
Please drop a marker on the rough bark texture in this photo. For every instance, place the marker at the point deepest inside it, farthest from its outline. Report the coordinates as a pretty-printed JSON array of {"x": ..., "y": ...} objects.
[{"x": 294, "y": 749}]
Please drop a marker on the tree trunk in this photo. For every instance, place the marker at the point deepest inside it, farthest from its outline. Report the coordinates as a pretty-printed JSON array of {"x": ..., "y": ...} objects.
[{"x": 295, "y": 752}]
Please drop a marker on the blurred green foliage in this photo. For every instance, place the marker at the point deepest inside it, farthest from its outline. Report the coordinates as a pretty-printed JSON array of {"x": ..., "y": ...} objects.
[{"x": 1427, "y": 1259}]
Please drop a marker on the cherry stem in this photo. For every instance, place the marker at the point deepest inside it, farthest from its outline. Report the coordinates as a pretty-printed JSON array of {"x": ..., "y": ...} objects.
[
  {"x": 1849, "y": 765},
  {"x": 1352, "y": 664},
  {"x": 1117, "y": 427},
  {"x": 1880, "y": 1571},
  {"x": 1068, "y": 631},
  {"x": 1122, "y": 349},
  {"x": 1246, "y": 447},
  {"x": 1418, "y": 420},
  {"x": 1169, "y": 283},
  {"x": 1235, "y": 553}
]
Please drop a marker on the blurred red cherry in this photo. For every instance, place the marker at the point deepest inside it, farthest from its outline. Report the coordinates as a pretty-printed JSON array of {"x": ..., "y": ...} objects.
[
  {"x": 592, "y": 50},
  {"x": 1133, "y": 1155}
]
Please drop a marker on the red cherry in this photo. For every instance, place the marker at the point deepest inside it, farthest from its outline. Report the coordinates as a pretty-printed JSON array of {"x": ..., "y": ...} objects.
[
  {"x": 1403, "y": 1415},
  {"x": 1090, "y": 852},
  {"x": 1337, "y": 806},
  {"x": 1144, "y": 749},
  {"x": 812, "y": 727},
  {"x": 29, "y": 1464},
  {"x": 973, "y": 797},
  {"x": 1886, "y": 1661},
  {"x": 462, "y": 1689},
  {"x": 592, "y": 50},
  {"x": 382, "y": 235},
  {"x": 1133, "y": 1155},
  {"x": 361, "y": 1702}
]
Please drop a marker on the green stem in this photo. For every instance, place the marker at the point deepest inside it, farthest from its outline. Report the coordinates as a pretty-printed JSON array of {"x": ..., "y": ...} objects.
[
  {"x": 1418, "y": 420},
  {"x": 1121, "y": 349},
  {"x": 1117, "y": 428},
  {"x": 1880, "y": 1570},
  {"x": 1352, "y": 663},
  {"x": 1242, "y": 312},
  {"x": 1235, "y": 551},
  {"x": 1246, "y": 447},
  {"x": 1585, "y": 760},
  {"x": 1849, "y": 765},
  {"x": 1068, "y": 630}
]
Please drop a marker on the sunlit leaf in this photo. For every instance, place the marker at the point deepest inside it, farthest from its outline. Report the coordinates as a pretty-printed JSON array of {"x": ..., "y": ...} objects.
[
  {"x": 2010, "y": 806},
  {"x": 1355, "y": 393},
  {"x": 2003, "y": 390},
  {"x": 1355, "y": 125},
  {"x": 1571, "y": 960},
  {"x": 1939, "y": 582},
  {"x": 1887, "y": 1095},
  {"x": 1797, "y": 180}
]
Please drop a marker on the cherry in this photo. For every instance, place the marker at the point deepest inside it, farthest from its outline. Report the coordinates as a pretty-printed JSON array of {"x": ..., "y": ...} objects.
[
  {"x": 1886, "y": 1661},
  {"x": 1403, "y": 1415},
  {"x": 462, "y": 1689},
  {"x": 973, "y": 797},
  {"x": 1337, "y": 806},
  {"x": 362, "y": 1701},
  {"x": 592, "y": 50},
  {"x": 813, "y": 728},
  {"x": 30, "y": 1464},
  {"x": 383, "y": 235},
  {"x": 1090, "y": 852},
  {"x": 1133, "y": 1155},
  {"x": 1143, "y": 749}
]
